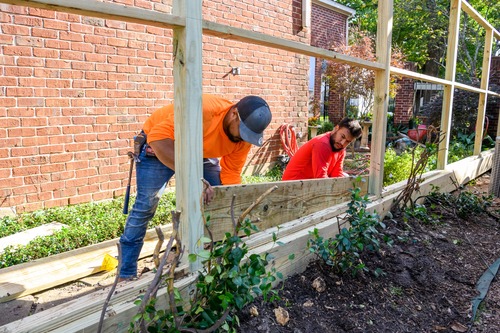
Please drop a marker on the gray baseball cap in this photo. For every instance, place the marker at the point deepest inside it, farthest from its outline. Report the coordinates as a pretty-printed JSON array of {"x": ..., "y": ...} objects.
[{"x": 255, "y": 116}]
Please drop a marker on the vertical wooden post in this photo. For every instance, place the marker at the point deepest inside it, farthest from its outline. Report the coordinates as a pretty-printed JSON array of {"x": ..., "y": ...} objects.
[
  {"x": 381, "y": 103},
  {"x": 483, "y": 97},
  {"x": 451, "y": 59},
  {"x": 188, "y": 123}
]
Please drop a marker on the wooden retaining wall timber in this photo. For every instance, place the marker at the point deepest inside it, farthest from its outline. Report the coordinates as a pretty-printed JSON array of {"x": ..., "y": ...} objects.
[
  {"x": 290, "y": 201},
  {"x": 83, "y": 314}
]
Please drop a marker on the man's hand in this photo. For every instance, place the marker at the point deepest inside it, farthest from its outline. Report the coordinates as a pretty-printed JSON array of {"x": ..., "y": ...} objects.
[{"x": 208, "y": 192}]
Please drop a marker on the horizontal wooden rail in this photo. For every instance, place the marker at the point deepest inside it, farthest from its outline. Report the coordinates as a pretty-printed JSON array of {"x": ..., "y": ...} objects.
[
  {"x": 124, "y": 13},
  {"x": 247, "y": 36},
  {"x": 432, "y": 79},
  {"x": 466, "y": 7},
  {"x": 290, "y": 201},
  {"x": 113, "y": 11},
  {"x": 105, "y": 10}
]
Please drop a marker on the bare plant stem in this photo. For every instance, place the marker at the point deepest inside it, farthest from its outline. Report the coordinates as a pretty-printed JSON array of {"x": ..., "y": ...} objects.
[
  {"x": 153, "y": 287},
  {"x": 112, "y": 290},
  {"x": 416, "y": 172}
]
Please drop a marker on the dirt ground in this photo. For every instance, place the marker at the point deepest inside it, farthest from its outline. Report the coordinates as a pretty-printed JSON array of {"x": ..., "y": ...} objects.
[
  {"x": 429, "y": 283},
  {"x": 430, "y": 276}
]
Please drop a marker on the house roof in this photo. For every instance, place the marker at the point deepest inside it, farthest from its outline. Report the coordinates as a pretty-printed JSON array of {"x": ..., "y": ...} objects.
[{"x": 335, "y": 6}]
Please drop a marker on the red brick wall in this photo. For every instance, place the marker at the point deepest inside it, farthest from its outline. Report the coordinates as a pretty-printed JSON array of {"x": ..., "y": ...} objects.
[
  {"x": 403, "y": 106},
  {"x": 328, "y": 29},
  {"x": 74, "y": 90}
]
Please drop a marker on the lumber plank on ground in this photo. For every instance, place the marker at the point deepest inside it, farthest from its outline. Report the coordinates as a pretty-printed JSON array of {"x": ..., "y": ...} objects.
[
  {"x": 292, "y": 200},
  {"x": 45, "y": 273},
  {"x": 26, "y": 236}
]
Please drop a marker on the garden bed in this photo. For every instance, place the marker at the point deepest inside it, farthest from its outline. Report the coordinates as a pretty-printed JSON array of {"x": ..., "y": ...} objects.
[{"x": 428, "y": 286}]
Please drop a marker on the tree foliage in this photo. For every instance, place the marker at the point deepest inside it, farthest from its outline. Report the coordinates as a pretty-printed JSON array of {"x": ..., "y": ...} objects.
[
  {"x": 420, "y": 30},
  {"x": 465, "y": 105},
  {"x": 352, "y": 81}
]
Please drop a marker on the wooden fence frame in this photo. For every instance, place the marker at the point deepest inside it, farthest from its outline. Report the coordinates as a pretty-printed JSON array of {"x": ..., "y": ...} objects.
[{"x": 189, "y": 26}]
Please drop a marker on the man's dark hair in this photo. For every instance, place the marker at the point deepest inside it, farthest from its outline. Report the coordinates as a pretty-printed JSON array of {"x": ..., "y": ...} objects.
[{"x": 352, "y": 125}]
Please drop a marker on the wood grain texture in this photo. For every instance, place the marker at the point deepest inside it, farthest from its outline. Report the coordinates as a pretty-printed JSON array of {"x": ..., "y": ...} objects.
[
  {"x": 82, "y": 315},
  {"x": 24, "y": 237},
  {"x": 291, "y": 200}
]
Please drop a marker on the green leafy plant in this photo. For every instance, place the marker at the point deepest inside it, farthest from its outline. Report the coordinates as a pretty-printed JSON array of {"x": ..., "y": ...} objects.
[
  {"x": 230, "y": 279},
  {"x": 398, "y": 167},
  {"x": 464, "y": 203},
  {"x": 273, "y": 175},
  {"x": 420, "y": 213},
  {"x": 326, "y": 126},
  {"x": 342, "y": 253}
]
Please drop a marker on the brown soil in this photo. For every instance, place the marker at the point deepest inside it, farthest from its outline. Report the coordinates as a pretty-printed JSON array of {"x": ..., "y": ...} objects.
[
  {"x": 430, "y": 276},
  {"x": 429, "y": 283}
]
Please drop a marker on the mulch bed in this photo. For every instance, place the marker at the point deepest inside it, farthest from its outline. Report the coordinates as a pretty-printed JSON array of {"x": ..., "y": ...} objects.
[{"x": 430, "y": 280}]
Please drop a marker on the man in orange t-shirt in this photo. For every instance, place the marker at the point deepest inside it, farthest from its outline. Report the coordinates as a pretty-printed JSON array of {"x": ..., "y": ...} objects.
[
  {"x": 323, "y": 156},
  {"x": 229, "y": 130}
]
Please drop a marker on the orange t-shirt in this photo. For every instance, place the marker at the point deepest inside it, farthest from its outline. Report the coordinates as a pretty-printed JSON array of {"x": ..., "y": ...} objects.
[{"x": 216, "y": 144}]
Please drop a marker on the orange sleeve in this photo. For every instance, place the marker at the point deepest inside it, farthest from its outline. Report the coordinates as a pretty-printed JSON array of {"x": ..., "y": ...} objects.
[
  {"x": 160, "y": 125},
  {"x": 232, "y": 165}
]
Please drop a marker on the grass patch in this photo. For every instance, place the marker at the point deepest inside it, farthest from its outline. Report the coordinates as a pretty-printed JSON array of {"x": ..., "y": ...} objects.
[
  {"x": 273, "y": 175},
  {"x": 89, "y": 223}
]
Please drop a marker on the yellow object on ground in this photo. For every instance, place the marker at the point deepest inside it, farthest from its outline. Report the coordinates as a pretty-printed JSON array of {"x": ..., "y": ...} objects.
[{"x": 109, "y": 262}]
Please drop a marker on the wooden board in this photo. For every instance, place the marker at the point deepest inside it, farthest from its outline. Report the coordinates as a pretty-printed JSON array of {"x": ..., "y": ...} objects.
[
  {"x": 105, "y": 10},
  {"x": 24, "y": 237},
  {"x": 28, "y": 278},
  {"x": 290, "y": 201},
  {"x": 82, "y": 314}
]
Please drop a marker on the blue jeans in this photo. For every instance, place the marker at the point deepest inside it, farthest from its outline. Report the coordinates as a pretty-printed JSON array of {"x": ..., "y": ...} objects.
[{"x": 152, "y": 177}]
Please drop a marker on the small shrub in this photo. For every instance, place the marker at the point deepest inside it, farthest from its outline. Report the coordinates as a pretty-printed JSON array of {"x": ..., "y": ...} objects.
[
  {"x": 398, "y": 167},
  {"x": 342, "y": 253},
  {"x": 420, "y": 213},
  {"x": 230, "y": 279},
  {"x": 464, "y": 204},
  {"x": 326, "y": 126}
]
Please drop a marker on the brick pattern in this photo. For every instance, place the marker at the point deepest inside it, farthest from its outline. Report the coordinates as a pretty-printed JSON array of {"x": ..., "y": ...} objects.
[
  {"x": 75, "y": 89},
  {"x": 403, "y": 104},
  {"x": 328, "y": 29}
]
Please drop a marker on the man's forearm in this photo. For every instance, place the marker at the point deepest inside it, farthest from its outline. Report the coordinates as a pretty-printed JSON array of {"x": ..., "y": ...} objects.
[{"x": 165, "y": 151}]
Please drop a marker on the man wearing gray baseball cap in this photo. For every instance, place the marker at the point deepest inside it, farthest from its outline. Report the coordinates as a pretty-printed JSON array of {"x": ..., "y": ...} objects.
[
  {"x": 255, "y": 116},
  {"x": 229, "y": 130}
]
